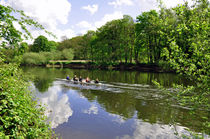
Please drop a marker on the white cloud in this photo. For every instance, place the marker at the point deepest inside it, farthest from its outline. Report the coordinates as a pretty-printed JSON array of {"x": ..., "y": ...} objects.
[
  {"x": 173, "y": 3},
  {"x": 69, "y": 33},
  {"x": 117, "y": 3},
  {"x": 48, "y": 13},
  {"x": 146, "y": 5},
  {"x": 84, "y": 24},
  {"x": 91, "y": 8},
  {"x": 2, "y": 2},
  {"x": 108, "y": 17}
]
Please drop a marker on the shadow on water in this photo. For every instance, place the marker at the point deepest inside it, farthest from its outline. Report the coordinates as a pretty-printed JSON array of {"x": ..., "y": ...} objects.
[{"x": 125, "y": 104}]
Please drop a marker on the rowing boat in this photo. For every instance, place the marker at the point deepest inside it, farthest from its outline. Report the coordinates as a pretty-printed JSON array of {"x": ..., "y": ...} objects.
[{"x": 83, "y": 82}]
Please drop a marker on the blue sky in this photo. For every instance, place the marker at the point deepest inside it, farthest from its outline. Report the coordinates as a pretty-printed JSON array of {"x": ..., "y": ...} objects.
[{"x": 73, "y": 17}]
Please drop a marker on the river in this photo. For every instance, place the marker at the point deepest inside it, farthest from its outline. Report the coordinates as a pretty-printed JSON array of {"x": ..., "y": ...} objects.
[{"x": 126, "y": 105}]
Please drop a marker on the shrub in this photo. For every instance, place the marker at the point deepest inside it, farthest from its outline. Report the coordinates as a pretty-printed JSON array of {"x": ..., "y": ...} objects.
[
  {"x": 34, "y": 59},
  {"x": 48, "y": 56},
  {"x": 8, "y": 54},
  {"x": 20, "y": 117},
  {"x": 41, "y": 58},
  {"x": 68, "y": 54},
  {"x": 57, "y": 55}
]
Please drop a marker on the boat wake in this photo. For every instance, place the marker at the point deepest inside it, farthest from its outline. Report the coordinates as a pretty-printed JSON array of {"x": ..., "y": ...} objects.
[{"x": 113, "y": 87}]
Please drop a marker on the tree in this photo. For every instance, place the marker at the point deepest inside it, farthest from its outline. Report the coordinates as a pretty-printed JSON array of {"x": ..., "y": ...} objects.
[
  {"x": 8, "y": 33},
  {"x": 188, "y": 53},
  {"x": 78, "y": 44},
  {"x": 53, "y": 45},
  {"x": 87, "y": 50},
  {"x": 148, "y": 35},
  {"x": 41, "y": 44},
  {"x": 127, "y": 34},
  {"x": 23, "y": 48},
  {"x": 68, "y": 54},
  {"x": 114, "y": 41}
]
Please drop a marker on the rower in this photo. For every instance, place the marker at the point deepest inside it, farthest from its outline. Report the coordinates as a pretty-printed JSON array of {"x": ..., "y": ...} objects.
[
  {"x": 80, "y": 78},
  {"x": 87, "y": 80},
  {"x": 67, "y": 77},
  {"x": 75, "y": 78},
  {"x": 96, "y": 81}
]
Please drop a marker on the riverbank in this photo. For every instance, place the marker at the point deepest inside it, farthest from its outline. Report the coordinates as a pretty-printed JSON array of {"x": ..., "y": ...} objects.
[
  {"x": 78, "y": 64},
  {"x": 20, "y": 116}
]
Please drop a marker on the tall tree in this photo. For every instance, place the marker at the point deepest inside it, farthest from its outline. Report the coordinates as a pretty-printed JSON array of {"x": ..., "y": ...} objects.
[
  {"x": 41, "y": 43},
  {"x": 88, "y": 50},
  {"x": 148, "y": 27},
  {"x": 127, "y": 34}
]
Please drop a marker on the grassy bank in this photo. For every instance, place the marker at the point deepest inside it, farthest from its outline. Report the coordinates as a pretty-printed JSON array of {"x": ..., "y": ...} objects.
[{"x": 20, "y": 116}]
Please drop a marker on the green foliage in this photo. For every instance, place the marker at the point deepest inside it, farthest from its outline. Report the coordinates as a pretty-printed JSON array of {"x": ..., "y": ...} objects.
[
  {"x": 148, "y": 37},
  {"x": 11, "y": 36},
  {"x": 19, "y": 115},
  {"x": 22, "y": 48},
  {"x": 11, "y": 54},
  {"x": 113, "y": 42},
  {"x": 68, "y": 54},
  {"x": 47, "y": 55},
  {"x": 78, "y": 45},
  {"x": 34, "y": 58},
  {"x": 184, "y": 35},
  {"x": 57, "y": 55},
  {"x": 40, "y": 44},
  {"x": 8, "y": 54},
  {"x": 43, "y": 58},
  {"x": 53, "y": 45}
]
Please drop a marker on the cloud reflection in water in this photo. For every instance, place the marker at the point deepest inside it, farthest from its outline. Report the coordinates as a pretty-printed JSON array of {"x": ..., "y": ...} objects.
[
  {"x": 93, "y": 109},
  {"x": 146, "y": 130},
  {"x": 57, "y": 104}
]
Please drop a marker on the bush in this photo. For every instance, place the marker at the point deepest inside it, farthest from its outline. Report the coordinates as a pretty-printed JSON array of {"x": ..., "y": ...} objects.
[
  {"x": 20, "y": 117},
  {"x": 165, "y": 65},
  {"x": 41, "y": 58},
  {"x": 68, "y": 54},
  {"x": 48, "y": 56},
  {"x": 57, "y": 55},
  {"x": 34, "y": 59},
  {"x": 8, "y": 54}
]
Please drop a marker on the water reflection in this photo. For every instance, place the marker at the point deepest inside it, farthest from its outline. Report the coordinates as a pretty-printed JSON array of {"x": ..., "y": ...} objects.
[
  {"x": 57, "y": 104},
  {"x": 118, "y": 119},
  {"x": 92, "y": 110},
  {"x": 145, "y": 130}
]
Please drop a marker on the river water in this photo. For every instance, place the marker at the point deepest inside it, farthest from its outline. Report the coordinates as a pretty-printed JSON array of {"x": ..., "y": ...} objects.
[{"x": 126, "y": 105}]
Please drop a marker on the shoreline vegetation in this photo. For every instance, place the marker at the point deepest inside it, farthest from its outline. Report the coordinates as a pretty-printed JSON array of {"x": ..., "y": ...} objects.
[
  {"x": 20, "y": 115},
  {"x": 87, "y": 64}
]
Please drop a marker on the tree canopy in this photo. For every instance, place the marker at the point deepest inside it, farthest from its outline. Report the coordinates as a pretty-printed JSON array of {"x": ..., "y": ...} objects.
[{"x": 41, "y": 44}]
